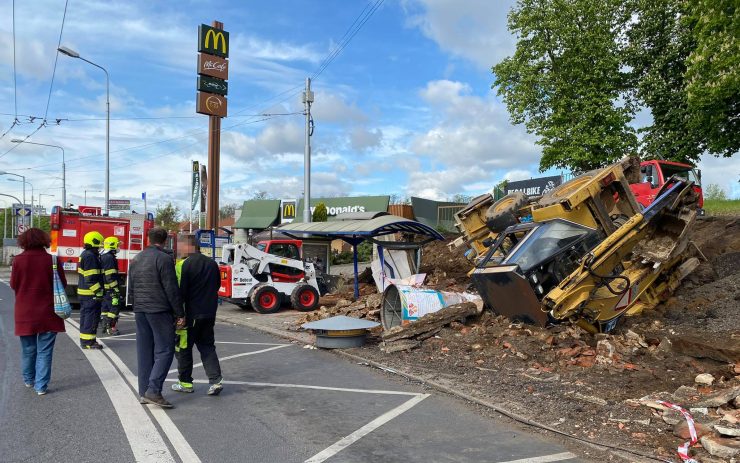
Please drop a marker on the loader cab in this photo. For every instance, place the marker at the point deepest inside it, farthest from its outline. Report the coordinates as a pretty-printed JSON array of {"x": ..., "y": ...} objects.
[{"x": 527, "y": 261}]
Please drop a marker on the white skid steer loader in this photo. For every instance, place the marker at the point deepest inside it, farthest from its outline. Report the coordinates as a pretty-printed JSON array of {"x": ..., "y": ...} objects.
[{"x": 250, "y": 277}]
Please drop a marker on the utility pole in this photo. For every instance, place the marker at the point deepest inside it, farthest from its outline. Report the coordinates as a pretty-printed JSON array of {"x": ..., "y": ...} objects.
[{"x": 307, "y": 100}]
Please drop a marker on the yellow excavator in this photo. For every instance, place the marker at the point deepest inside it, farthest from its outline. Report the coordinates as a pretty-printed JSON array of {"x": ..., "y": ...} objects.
[{"x": 589, "y": 255}]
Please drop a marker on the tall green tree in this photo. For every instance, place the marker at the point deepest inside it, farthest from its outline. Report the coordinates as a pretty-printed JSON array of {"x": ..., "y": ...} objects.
[
  {"x": 659, "y": 44},
  {"x": 168, "y": 216},
  {"x": 713, "y": 73},
  {"x": 566, "y": 81}
]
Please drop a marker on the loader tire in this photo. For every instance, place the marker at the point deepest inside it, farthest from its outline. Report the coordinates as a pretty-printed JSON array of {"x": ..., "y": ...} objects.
[
  {"x": 561, "y": 192},
  {"x": 502, "y": 214},
  {"x": 265, "y": 299},
  {"x": 304, "y": 298}
]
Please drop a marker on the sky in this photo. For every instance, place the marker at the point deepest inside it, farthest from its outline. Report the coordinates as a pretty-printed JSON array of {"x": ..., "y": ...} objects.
[{"x": 405, "y": 108}]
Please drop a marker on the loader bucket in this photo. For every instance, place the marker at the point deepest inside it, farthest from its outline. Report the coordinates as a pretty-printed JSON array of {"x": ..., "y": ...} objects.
[{"x": 506, "y": 292}]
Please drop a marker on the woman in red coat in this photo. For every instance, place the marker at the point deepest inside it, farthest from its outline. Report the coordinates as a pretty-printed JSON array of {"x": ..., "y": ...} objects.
[{"x": 35, "y": 320}]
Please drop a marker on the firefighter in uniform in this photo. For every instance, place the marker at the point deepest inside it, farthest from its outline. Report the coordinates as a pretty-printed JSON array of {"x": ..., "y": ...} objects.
[
  {"x": 90, "y": 290},
  {"x": 111, "y": 284}
]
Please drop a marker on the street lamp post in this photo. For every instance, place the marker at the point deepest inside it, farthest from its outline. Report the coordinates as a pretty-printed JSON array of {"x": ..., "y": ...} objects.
[
  {"x": 91, "y": 191},
  {"x": 74, "y": 54},
  {"x": 24, "y": 194},
  {"x": 64, "y": 166},
  {"x": 24, "y": 186},
  {"x": 38, "y": 219}
]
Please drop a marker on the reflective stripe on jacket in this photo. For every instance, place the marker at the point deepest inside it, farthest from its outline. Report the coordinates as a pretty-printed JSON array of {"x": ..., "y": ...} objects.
[{"x": 91, "y": 278}]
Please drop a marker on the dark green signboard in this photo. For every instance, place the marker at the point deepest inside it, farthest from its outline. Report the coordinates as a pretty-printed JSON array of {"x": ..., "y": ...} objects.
[
  {"x": 212, "y": 85},
  {"x": 213, "y": 41}
]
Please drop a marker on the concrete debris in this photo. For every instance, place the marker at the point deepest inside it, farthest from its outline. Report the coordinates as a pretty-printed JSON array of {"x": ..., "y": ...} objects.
[
  {"x": 722, "y": 349},
  {"x": 721, "y": 447},
  {"x": 727, "y": 430},
  {"x": 591, "y": 399},
  {"x": 704, "y": 378},
  {"x": 718, "y": 398},
  {"x": 682, "y": 430}
]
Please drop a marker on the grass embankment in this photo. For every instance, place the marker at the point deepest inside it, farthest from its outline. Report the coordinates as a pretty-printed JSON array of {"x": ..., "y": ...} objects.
[{"x": 722, "y": 206}]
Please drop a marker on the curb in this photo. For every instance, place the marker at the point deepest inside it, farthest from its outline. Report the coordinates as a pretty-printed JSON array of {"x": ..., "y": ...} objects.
[{"x": 626, "y": 456}]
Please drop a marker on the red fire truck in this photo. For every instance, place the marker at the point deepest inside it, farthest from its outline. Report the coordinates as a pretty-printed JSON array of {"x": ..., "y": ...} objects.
[{"x": 68, "y": 227}]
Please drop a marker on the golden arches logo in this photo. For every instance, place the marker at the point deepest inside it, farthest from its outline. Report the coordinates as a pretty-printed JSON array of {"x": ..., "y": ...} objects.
[
  {"x": 217, "y": 37},
  {"x": 289, "y": 210}
]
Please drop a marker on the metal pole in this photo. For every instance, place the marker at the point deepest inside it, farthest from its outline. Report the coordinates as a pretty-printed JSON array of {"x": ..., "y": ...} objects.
[
  {"x": 307, "y": 100},
  {"x": 107, "y": 143},
  {"x": 64, "y": 182}
]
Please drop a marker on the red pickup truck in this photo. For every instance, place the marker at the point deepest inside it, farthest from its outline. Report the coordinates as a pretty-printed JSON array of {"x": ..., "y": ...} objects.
[{"x": 654, "y": 174}]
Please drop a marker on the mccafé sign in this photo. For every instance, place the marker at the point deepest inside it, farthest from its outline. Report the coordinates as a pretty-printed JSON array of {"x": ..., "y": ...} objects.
[{"x": 213, "y": 70}]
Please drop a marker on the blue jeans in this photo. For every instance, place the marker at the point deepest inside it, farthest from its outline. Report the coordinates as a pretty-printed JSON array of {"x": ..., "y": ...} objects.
[
  {"x": 155, "y": 349},
  {"x": 36, "y": 351}
]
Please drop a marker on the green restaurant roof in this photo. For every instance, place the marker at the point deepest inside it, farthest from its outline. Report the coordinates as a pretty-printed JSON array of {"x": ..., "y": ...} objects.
[{"x": 259, "y": 214}]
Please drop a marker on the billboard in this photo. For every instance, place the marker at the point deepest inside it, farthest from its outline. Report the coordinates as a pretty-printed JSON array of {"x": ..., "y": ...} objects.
[
  {"x": 534, "y": 186},
  {"x": 119, "y": 204}
]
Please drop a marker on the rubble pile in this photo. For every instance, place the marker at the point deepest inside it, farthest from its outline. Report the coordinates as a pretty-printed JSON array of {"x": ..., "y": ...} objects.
[{"x": 591, "y": 386}]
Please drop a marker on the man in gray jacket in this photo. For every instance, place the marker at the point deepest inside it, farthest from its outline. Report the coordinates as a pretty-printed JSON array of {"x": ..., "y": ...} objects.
[{"x": 158, "y": 310}]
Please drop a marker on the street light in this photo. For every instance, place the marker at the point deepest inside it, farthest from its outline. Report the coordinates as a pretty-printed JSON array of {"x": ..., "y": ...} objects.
[
  {"x": 91, "y": 191},
  {"x": 2, "y": 172},
  {"x": 24, "y": 194},
  {"x": 64, "y": 166},
  {"x": 44, "y": 194},
  {"x": 71, "y": 53}
]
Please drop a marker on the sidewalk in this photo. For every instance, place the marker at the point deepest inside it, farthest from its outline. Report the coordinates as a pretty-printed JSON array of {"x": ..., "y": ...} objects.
[{"x": 276, "y": 323}]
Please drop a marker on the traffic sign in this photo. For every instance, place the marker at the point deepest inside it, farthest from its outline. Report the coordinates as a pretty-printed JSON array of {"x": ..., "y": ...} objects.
[
  {"x": 22, "y": 228},
  {"x": 22, "y": 211},
  {"x": 119, "y": 204}
]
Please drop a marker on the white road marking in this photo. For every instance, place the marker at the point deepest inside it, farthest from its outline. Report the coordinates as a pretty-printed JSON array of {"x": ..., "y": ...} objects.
[
  {"x": 365, "y": 430},
  {"x": 280, "y": 346},
  {"x": 308, "y": 386},
  {"x": 118, "y": 336},
  {"x": 145, "y": 441},
  {"x": 545, "y": 458},
  {"x": 177, "y": 440}
]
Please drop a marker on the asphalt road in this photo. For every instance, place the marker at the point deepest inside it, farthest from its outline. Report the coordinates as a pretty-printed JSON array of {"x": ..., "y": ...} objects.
[{"x": 281, "y": 403}]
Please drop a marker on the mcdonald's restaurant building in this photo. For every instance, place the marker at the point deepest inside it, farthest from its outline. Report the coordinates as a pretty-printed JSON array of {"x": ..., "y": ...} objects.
[{"x": 258, "y": 218}]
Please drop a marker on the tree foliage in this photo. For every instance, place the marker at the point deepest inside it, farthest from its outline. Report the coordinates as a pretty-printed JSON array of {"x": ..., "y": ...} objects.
[
  {"x": 227, "y": 210},
  {"x": 584, "y": 69},
  {"x": 167, "y": 216},
  {"x": 566, "y": 81},
  {"x": 715, "y": 192},
  {"x": 713, "y": 73},
  {"x": 320, "y": 214}
]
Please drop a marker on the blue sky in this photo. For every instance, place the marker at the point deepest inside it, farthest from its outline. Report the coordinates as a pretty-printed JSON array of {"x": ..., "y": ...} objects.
[{"x": 405, "y": 108}]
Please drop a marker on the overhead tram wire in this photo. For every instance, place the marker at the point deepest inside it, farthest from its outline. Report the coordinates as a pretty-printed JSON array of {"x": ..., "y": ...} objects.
[
  {"x": 15, "y": 84},
  {"x": 90, "y": 119},
  {"x": 51, "y": 85},
  {"x": 365, "y": 16}
]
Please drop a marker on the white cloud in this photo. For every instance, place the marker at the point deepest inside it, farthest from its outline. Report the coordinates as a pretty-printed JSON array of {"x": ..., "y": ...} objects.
[
  {"x": 472, "y": 130},
  {"x": 333, "y": 108},
  {"x": 362, "y": 138},
  {"x": 473, "y": 29},
  {"x": 282, "y": 137},
  {"x": 441, "y": 184}
]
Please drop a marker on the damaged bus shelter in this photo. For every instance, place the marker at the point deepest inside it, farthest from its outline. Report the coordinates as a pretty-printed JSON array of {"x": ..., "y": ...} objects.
[{"x": 355, "y": 228}]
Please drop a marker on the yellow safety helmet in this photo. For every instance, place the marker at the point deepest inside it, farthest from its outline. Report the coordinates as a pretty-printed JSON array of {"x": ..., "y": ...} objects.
[
  {"x": 111, "y": 243},
  {"x": 93, "y": 238}
]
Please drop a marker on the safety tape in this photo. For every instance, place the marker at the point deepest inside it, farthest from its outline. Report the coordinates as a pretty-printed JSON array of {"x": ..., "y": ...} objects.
[
  {"x": 85, "y": 292},
  {"x": 111, "y": 271},
  {"x": 683, "y": 450},
  {"x": 87, "y": 337}
]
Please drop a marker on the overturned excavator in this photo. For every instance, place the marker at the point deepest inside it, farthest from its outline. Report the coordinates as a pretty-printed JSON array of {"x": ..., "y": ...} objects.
[{"x": 584, "y": 252}]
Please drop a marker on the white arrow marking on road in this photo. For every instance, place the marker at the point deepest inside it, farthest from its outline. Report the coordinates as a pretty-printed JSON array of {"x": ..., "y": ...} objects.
[
  {"x": 181, "y": 446},
  {"x": 145, "y": 441}
]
